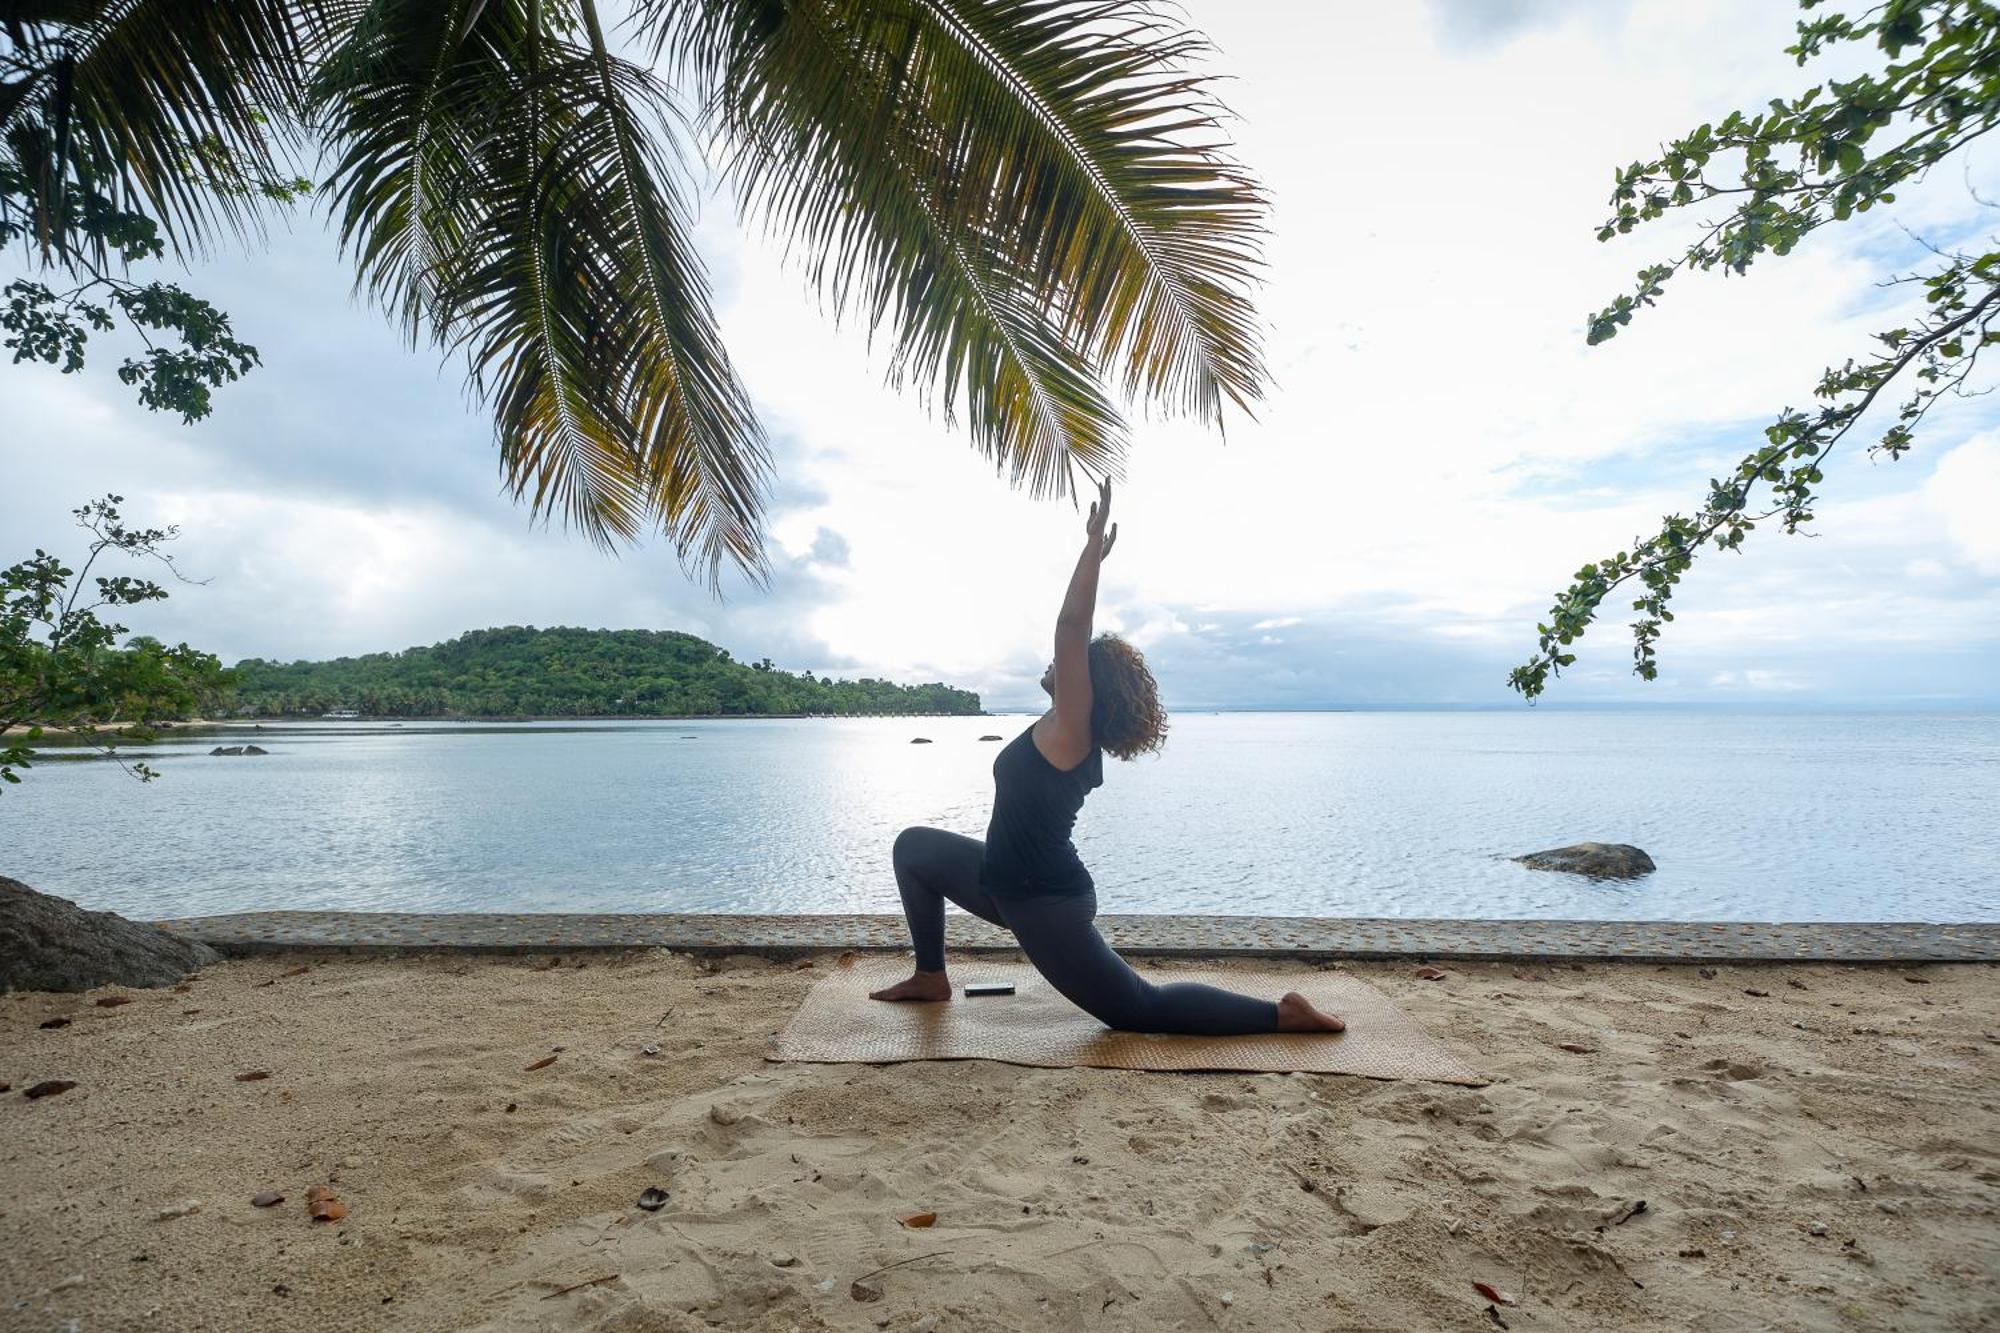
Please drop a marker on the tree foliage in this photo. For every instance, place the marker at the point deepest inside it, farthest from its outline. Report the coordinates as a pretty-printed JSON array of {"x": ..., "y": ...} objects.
[
  {"x": 1838, "y": 150},
  {"x": 1030, "y": 201},
  {"x": 60, "y": 663},
  {"x": 190, "y": 348},
  {"x": 528, "y": 672}
]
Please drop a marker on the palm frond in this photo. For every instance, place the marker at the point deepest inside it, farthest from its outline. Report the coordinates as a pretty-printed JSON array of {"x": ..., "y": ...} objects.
[
  {"x": 1063, "y": 142},
  {"x": 175, "y": 107},
  {"x": 512, "y": 194},
  {"x": 821, "y": 147},
  {"x": 1086, "y": 141},
  {"x": 409, "y": 96},
  {"x": 708, "y": 462}
]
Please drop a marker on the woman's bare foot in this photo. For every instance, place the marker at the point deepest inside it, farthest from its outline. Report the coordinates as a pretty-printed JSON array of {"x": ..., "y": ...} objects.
[
  {"x": 921, "y": 986},
  {"x": 1297, "y": 1014}
]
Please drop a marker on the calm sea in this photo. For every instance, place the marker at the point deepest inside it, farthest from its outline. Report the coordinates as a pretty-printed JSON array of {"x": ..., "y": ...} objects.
[{"x": 1793, "y": 816}]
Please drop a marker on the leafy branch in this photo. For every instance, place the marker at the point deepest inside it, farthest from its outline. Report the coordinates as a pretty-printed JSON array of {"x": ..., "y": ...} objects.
[
  {"x": 59, "y": 661},
  {"x": 1802, "y": 165},
  {"x": 54, "y": 326}
]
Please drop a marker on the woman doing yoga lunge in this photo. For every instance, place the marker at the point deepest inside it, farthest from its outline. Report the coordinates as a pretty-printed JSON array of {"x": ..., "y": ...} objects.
[{"x": 1026, "y": 875}]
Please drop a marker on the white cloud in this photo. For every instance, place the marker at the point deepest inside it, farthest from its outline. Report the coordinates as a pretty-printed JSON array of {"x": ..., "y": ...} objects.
[
  {"x": 1965, "y": 490},
  {"x": 1759, "y": 679}
]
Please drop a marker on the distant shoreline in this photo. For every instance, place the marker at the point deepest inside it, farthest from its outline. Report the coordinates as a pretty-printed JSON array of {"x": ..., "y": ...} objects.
[
  {"x": 581, "y": 717},
  {"x": 1632, "y": 708},
  {"x": 109, "y": 730}
]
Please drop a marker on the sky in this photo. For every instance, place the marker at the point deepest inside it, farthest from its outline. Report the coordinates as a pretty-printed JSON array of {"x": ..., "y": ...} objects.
[{"x": 1440, "y": 450}]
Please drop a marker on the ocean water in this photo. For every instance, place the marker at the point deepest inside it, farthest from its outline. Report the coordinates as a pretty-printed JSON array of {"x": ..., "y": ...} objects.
[{"x": 1753, "y": 817}]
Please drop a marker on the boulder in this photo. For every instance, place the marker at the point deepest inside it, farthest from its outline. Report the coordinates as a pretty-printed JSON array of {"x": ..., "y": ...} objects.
[
  {"x": 255, "y": 749},
  {"x": 920, "y": 740},
  {"x": 989, "y": 738},
  {"x": 1599, "y": 860},
  {"x": 227, "y": 749},
  {"x": 50, "y": 943}
]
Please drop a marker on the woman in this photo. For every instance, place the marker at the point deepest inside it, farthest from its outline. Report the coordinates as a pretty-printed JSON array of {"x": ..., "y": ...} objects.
[{"x": 1026, "y": 875}]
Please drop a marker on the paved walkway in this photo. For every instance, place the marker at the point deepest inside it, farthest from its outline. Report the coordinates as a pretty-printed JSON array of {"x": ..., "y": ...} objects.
[{"x": 1204, "y": 936}]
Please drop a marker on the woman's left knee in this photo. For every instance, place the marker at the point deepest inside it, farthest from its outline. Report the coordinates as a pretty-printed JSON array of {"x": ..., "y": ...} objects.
[{"x": 907, "y": 844}]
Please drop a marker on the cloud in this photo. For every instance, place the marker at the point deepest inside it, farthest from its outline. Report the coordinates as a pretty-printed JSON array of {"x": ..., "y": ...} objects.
[
  {"x": 830, "y": 548},
  {"x": 1463, "y": 25},
  {"x": 1759, "y": 679},
  {"x": 1965, "y": 491}
]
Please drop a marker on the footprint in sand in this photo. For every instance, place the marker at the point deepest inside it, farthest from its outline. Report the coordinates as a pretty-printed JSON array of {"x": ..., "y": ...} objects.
[{"x": 1731, "y": 1071}]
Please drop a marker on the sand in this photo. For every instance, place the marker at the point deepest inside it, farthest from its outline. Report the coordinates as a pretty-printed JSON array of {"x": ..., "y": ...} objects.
[{"x": 1845, "y": 1101}]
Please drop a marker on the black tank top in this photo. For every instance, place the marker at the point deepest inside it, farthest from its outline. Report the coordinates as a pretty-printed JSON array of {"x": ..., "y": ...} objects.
[{"x": 1028, "y": 850}]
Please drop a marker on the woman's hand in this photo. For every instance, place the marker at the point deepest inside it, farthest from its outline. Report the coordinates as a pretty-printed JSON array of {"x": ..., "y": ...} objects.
[{"x": 1098, "y": 539}]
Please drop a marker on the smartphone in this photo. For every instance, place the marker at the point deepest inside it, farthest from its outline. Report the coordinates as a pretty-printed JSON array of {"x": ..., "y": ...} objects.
[{"x": 978, "y": 988}]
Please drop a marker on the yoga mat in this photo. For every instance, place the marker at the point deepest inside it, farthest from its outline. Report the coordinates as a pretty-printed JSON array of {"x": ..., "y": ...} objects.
[{"x": 838, "y": 1023}]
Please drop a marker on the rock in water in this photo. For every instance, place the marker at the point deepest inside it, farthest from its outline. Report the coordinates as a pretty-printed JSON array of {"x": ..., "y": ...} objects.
[
  {"x": 1599, "y": 860},
  {"x": 989, "y": 738},
  {"x": 920, "y": 740},
  {"x": 50, "y": 943},
  {"x": 255, "y": 749},
  {"x": 227, "y": 749}
]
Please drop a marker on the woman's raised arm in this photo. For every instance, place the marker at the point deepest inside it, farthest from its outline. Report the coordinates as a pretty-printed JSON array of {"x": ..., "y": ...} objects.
[{"x": 1063, "y": 736}]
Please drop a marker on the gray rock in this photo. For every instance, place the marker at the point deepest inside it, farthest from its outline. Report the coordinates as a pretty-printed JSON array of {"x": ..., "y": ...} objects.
[
  {"x": 255, "y": 749},
  {"x": 989, "y": 738},
  {"x": 49, "y": 943},
  {"x": 920, "y": 740},
  {"x": 227, "y": 749},
  {"x": 1599, "y": 860}
]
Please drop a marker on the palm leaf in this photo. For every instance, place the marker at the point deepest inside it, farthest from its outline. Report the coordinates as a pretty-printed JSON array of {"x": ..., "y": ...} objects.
[
  {"x": 1059, "y": 144},
  {"x": 177, "y": 107},
  {"x": 409, "y": 97},
  {"x": 708, "y": 462},
  {"x": 822, "y": 148},
  {"x": 1081, "y": 137},
  {"x": 510, "y": 193}
]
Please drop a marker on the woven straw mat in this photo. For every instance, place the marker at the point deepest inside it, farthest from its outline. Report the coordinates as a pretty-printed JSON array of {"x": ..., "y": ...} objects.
[{"x": 838, "y": 1023}]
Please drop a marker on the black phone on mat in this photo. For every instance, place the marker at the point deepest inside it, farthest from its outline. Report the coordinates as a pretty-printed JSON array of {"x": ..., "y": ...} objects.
[{"x": 978, "y": 988}]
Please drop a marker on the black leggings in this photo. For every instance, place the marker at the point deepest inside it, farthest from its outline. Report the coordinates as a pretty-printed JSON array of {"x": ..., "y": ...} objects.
[{"x": 1056, "y": 933}]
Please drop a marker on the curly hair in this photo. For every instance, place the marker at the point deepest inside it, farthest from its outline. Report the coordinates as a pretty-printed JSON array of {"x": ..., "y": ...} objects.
[{"x": 1125, "y": 713}]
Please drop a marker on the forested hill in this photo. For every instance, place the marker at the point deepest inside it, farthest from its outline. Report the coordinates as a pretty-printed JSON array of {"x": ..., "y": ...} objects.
[{"x": 517, "y": 672}]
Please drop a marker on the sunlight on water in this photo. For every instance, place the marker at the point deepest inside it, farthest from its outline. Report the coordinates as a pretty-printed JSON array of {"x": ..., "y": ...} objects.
[{"x": 1750, "y": 817}]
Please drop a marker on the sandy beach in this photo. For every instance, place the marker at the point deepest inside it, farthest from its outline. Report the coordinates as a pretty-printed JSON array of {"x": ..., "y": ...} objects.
[{"x": 1816, "y": 1147}]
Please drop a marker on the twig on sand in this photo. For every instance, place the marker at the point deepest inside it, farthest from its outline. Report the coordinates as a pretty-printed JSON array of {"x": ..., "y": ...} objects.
[
  {"x": 1311, "y": 1186},
  {"x": 664, "y": 1017},
  {"x": 899, "y": 1263},
  {"x": 579, "y": 1286}
]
